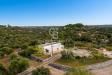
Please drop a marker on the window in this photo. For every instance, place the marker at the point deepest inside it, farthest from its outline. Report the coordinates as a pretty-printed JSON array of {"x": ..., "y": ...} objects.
[{"x": 47, "y": 51}]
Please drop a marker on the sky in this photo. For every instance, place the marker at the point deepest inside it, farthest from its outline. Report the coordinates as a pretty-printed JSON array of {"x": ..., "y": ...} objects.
[{"x": 55, "y": 12}]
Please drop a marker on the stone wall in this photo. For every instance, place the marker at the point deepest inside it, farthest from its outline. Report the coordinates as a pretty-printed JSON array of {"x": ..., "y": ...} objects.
[
  {"x": 50, "y": 59},
  {"x": 35, "y": 58},
  {"x": 60, "y": 66}
]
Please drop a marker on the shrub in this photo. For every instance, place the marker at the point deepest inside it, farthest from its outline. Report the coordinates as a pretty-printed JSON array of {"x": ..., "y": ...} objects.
[
  {"x": 78, "y": 71},
  {"x": 27, "y": 52},
  {"x": 13, "y": 56},
  {"x": 7, "y": 50},
  {"x": 109, "y": 48},
  {"x": 41, "y": 71},
  {"x": 67, "y": 55},
  {"x": 97, "y": 55},
  {"x": 17, "y": 65},
  {"x": 1, "y": 53},
  {"x": 2, "y": 70}
]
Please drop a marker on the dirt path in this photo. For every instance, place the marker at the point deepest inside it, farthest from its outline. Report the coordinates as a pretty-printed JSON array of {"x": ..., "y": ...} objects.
[
  {"x": 103, "y": 71},
  {"x": 55, "y": 71}
]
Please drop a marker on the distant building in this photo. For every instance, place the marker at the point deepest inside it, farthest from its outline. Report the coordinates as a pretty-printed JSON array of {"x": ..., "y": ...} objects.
[{"x": 52, "y": 48}]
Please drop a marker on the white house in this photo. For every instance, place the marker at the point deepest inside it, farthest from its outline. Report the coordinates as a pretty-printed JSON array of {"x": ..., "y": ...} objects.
[{"x": 52, "y": 48}]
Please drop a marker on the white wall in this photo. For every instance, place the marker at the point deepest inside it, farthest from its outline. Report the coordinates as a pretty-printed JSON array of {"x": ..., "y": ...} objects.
[{"x": 57, "y": 47}]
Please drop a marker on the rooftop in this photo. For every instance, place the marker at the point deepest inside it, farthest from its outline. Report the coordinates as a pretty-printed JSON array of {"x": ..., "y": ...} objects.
[{"x": 47, "y": 44}]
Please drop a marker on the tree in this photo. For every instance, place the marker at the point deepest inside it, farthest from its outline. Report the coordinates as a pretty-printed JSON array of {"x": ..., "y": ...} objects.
[
  {"x": 2, "y": 70},
  {"x": 41, "y": 71},
  {"x": 7, "y": 50},
  {"x": 1, "y": 53},
  {"x": 27, "y": 52},
  {"x": 39, "y": 50},
  {"x": 13, "y": 56},
  {"x": 18, "y": 65},
  {"x": 67, "y": 55},
  {"x": 86, "y": 38},
  {"x": 69, "y": 43},
  {"x": 33, "y": 43},
  {"x": 78, "y": 25}
]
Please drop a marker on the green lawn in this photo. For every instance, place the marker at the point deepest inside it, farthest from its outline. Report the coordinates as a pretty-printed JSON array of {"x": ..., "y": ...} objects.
[{"x": 81, "y": 62}]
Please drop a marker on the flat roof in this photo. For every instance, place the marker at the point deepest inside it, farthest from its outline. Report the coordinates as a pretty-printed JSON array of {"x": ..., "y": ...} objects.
[{"x": 47, "y": 44}]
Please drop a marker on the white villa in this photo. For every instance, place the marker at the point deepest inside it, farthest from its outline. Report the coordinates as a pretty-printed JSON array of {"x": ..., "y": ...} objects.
[{"x": 52, "y": 48}]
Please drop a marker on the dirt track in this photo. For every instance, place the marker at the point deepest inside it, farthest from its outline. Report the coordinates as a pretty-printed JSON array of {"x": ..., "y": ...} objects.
[{"x": 103, "y": 71}]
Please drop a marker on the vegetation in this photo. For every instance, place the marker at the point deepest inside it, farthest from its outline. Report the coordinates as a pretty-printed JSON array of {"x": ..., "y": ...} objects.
[
  {"x": 97, "y": 55},
  {"x": 69, "y": 59},
  {"x": 78, "y": 71},
  {"x": 27, "y": 52},
  {"x": 5, "y": 51},
  {"x": 2, "y": 70},
  {"x": 70, "y": 35},
  {"x": 17, "y": 65},
  {"x": 67, "y": 55},
  {"x": 41, "y": 71},
  {"x": 81, "y": 61},
  {"x": 108, "y": 48},
  {"x": 39, "y": 51},
  {"x": 69, "y": 43},
  {"x": 28, "y": 39}
]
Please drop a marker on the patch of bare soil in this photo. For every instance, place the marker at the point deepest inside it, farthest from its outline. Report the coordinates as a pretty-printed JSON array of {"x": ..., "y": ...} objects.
[{"x": 103, "y": 71}]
